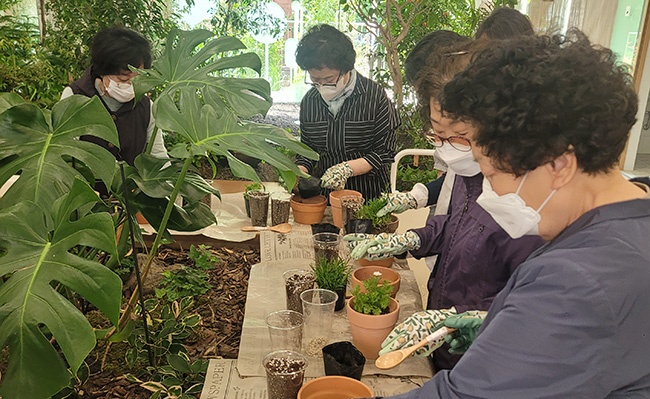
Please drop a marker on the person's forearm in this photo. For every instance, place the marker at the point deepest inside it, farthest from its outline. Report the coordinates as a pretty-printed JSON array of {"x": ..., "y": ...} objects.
[{"x": 359, "y": 166}]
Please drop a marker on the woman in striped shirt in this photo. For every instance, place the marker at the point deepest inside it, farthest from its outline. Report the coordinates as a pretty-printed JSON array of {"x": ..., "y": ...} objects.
[{"x": 345, "y": 117}]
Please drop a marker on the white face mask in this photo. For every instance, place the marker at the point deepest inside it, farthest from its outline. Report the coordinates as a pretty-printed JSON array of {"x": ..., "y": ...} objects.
[
  {"x": 510, "y": 211},
  {"x": 460, "y": 162},
  {"x": 122, "y": 92},
  {"x": 331, "y": 92}
]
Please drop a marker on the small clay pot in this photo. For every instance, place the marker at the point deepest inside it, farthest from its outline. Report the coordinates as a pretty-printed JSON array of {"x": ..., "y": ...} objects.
[
  {"x": 386, "y": 276},
  {"x": 388, "y": 262},
  {"x": 335, "y": 202},
  {"x": 333, "y": 387},
  {"x": 308, "y": 210},
  {"x": 343, "y": 358}
]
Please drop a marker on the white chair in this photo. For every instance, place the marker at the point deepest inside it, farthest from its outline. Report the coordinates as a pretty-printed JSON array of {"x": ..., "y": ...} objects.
[{"x": 402, "y": 154}]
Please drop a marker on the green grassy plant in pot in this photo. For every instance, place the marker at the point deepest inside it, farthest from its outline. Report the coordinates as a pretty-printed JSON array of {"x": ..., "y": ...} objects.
[
  {"x": 380, "y": 224},
  {"x": 333, "y": 274},
  {"x": 372, "y": 315}
]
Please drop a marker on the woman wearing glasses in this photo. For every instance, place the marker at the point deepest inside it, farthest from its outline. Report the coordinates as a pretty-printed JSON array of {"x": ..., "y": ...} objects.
[
  {"x": 345, "y": 117},
  {"x": 475, "y": 255}
]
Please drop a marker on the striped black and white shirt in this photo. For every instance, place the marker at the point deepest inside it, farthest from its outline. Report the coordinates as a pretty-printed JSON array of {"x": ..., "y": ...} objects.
[{"x": 364, "y": 127}]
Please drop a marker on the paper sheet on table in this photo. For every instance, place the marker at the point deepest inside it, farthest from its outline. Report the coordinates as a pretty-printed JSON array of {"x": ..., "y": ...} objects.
[
  {"x": 230, "y": 212},
  {"x": 222, "y": 381},
  {"x": 296, "y": 245},
  {"x": 266, "y": 294}
]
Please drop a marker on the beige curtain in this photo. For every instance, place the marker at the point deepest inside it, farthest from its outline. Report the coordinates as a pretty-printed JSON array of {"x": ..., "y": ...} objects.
[{"x": 594, "y": 17}]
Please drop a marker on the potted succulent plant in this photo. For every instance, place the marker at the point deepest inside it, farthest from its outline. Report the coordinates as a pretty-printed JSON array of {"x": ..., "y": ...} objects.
[
  {"x": 332, "y": 274},
  {"x": 372, "y": 315}
]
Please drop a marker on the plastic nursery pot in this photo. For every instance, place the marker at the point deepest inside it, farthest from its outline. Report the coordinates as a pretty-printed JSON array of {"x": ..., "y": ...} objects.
[
  {"x": 308, "y": 210},
  {"x": 259, "y": 204},
  {"x": 343, "y": 358},
  {"x": 386, "y": 276},
  {"x": 309, "y": 187},
  {"x": 334, "y": 387},
  {"x": 388, "y": 262},
  {"x": 285, "y": 372},
  {"x": 324, "y": 228},
  {"x": 358, "y": 226},
  {"x": 335, "y": 202}
]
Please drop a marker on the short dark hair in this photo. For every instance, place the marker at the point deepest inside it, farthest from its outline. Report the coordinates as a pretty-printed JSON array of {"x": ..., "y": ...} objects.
[
  {"x": 533, "y": 98},
  {"x": 114, "y": 49},
  {"x": 504, "y": 23},
  {"x": 431, "y": 42},
  {"x": 324, "y": 46}
]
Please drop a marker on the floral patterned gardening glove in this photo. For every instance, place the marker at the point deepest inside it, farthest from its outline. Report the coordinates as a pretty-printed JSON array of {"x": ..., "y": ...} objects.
[
  {"x": 336, "y": 176},
  {"x": 414, "y": 329},
  {"x": 381, "y": 246},
  {"x": 467, "y": 325},
  {"x": 400, "y": 202}
]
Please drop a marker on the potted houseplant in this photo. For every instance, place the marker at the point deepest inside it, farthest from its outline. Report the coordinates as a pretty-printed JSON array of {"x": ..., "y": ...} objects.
[
  {"x": 380, "y": 224},
  {"x": 332, "y": 274},
  {"x": 372, "y": 315},
  {"x": 387, "y": 277},
  {"x": 253, "y": 187}
]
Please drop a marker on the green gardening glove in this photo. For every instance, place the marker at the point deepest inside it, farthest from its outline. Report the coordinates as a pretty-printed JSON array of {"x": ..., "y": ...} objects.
[
  {"x": 336, "y": 176},
  {"x": 400, "y": 202},
  {"x": 467, "y": 325},
  {"x": 414, "y": 329},
  {"x": 358, "y": 244}
]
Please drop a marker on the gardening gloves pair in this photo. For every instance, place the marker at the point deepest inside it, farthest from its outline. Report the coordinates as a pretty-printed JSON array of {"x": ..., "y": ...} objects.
[
  {"x": 399, "y": 202},
  {"x": 336, "y": 176},
  {"x": 419, "y": 325},
  {"x": 381, "y": 246}
]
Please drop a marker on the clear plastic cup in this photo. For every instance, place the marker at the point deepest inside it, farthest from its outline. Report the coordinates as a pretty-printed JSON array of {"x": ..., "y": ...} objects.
[
  {"x": 295, "y": 282},
  {"x": 285, "y": 372},
  {"x": 318, "y": 313},
  {"x": 326, "y": 245},
  {"x": 285, "y": 330}
]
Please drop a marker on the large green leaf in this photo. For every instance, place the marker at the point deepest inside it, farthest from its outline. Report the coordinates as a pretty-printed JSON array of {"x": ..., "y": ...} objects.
[
  {"x": 35, "y": 143},
  {"x": 8, "y": 100},
  {"x": 190, "y": 59},
  {"x": 36, "y": 244},
  {"x": 208, "y": 131},
  {"x": 151, "y": 181}
]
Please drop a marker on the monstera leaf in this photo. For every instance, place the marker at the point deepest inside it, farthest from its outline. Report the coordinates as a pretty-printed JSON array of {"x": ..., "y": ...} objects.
[
  {"x": 190, "y": 58},
  {"x": 209, "y": 131},
  {"x": 35, "y": 244},
  {"x": 150, "y": 183},
  {"x": 36, "y": 143}
]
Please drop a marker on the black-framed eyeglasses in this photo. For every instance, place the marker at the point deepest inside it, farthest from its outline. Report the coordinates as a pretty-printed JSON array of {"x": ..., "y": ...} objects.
[
  {"x": 458, "y": 142},
  {"x": 317, "y": 85}
]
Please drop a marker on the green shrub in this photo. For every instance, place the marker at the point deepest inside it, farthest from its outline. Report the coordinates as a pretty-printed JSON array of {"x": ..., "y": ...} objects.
[{"x": 375, "y": 300}]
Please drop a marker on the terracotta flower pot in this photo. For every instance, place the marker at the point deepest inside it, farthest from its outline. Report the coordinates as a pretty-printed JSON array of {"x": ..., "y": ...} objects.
[
  {"x": 388, "y": 262},
  {"x": 369, "y": 331},
  {"x": 308, "y": 210},
  {"x": 334, "y": 387},
  {"x": 335, "y": 202},
  {"x": 386, "y": 275}
]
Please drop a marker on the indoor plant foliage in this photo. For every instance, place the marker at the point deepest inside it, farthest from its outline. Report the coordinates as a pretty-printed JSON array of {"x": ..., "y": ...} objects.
[
  {"x": 375, "y": 300},
  {"x": 331, "y": 274},
  {"x": 369, "y": 211}
]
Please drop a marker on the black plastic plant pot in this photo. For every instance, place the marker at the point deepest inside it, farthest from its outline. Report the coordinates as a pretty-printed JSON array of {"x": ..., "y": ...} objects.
[
  {"x": 309, "y": 187},
  {"x": 324, "y": 228},
  {"x": 343, "y": 358},
  {"x": 358, "y": 226},
  {"x": 340, "y": 301}
]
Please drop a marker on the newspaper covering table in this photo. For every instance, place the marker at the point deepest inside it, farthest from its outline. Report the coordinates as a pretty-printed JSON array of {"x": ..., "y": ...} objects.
[
  {"x": 224, "y": 382},
  {"x": 280, "y": 253}
]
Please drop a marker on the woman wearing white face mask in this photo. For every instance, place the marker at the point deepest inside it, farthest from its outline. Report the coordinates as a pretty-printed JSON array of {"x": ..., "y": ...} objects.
[
  {"x": 475, "y": 256},
  {"x": 345, "y": 117},
  {"x": 109, "y": 78},
  {"x": 572, "y": 321}
]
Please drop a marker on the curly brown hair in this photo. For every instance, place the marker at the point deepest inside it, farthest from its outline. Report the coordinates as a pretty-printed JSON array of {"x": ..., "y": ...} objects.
[{"x": 531, "y": 99}]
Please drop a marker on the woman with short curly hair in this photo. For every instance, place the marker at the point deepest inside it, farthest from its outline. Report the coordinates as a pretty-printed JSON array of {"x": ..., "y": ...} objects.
[{"x": 572, "y": 322}]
